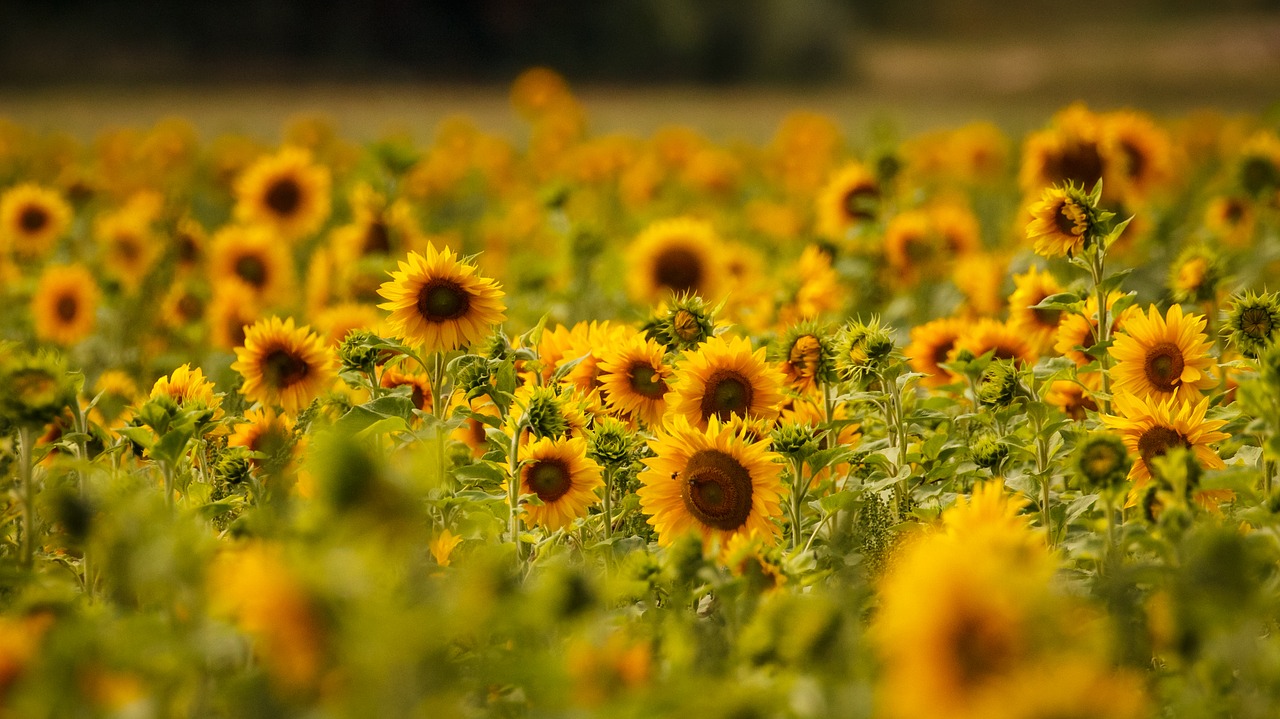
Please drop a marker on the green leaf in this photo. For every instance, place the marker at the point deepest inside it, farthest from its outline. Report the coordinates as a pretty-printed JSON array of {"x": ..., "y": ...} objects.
[{"x": 483, "y": 471}]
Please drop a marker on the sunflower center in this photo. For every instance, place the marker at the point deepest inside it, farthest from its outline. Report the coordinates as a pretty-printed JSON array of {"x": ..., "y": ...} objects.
[
  {"x": 252, "y": 270},
  {"x": 1137, "y": 161},
  {"x": 981, "y": 650},
  {"x": 33, "y": 219},
  {"x": 679, "y": 269},
  {"x": 1258, "y": 174},
  {"x": 646, "y": 381},
  {"x": 1157, "y": 441},
  {"x": 1234, "y": 211},
  {"x": 128, "y": 248},
  {"x": 67, "y": 308},
  {"x": 549, "y": 479},
  {"x": 917, "y": 249},
  {"x": 377, "y": 241},
  {"x": 441, "y": 300},
  {"x": 188, "y": 249},
  {"x": 727, "y": 393},
  {"x": 190, "y": 307},
  {"x": 1256, "y": 322},
  {"x": 281, "y": 368},
  {"x": 1068, "y": 219},
  {"x": 1101, "y": 460},
  {"x": 283, "y": 196},
  {"x": 1163, "y": 365},
  {"x": 1080, "y": 163},
  {"x": 860, "y": 202},
  {"x": 717, "y": 490}
]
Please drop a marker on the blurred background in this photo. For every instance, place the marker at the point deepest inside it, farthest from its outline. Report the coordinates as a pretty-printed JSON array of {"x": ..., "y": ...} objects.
[{"x": 728, "y": 66}]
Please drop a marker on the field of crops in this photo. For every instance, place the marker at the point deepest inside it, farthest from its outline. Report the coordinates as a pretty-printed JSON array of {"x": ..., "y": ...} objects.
[{"x": 562, "y": 423}]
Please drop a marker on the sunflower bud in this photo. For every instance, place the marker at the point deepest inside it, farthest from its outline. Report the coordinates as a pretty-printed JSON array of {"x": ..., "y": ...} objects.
[
  {"x": 474, "y": 374},
  {"x": 988, "y": 452},
  {"x": 495, "y": 347},
  {"x": 1066, "y": 221},
  {"x": 357, "y": 353},
  {"x": 686, "y": 324},
  {"x": 864, "y": 349},
  {"x": 807, "y": 354},
  {"x": 544, "y": 414},
  {"x": 874, "y": 532},
  {"x": 999, "y": 386},
  {"x": 612, "y": 444},
  {"x": 1101, "y": 461},
  {"x": 34, "y": 389},
  {"x": 233, "y": 469},
  {"x": 1254, "y": 322},
  {"x": 794, "y": 440}
]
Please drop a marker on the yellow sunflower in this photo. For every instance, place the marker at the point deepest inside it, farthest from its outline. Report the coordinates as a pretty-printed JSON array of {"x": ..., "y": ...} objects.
[
  {"x": 1059, "y": 223},
  {"x": 1004, "y": 342},
  {"x": 189, "y": 240},
  {"x": 251, "y": 256},
  {"x": 1231, "y": 218},
  {"x": 1163, "y": 356},
  {"x": 231, "y": 310},
  {"x": 337, "y": 321},
  {"x": 819, "y": 290},
  {"x": 418, "y": 382},
  {"x": 377, "y": 229},
  {"x": 283, "y": 365},
  {"x": 565, "y": 480},
  {"x": 183, "y": 306},
  {"x": 129, "y": 247},
  {"x": 634, "y": 378},
  {"x": 264, "y": 430},
  {"x": 725, "y": 378},
  {"x": 1076, "y": 149},
  {"x": 32, "y": 218},
  {"x": 189, "y": 388},
  {"x": 65, "y": 304},
  {"x": 677, "y": 256},
  {"x": 287, "y": 192},
  {"x": 1078, "y": 332},
  {"x": 850, "y": 197},
  {"x": 711, "y": 481},
  {"x": 911, "y": 247},
  {"x": 931, "y": 346},
  {"x": 1144, "y": 149},
  {"x": 1040, "y": 326},
  {"x": 1151, "y": 427},
  {"x": 440, "y": 302}
]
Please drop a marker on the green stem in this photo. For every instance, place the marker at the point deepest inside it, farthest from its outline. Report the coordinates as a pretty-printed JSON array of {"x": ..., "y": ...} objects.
[
  {"x": 798, "y": 491},
  {"x": 1111, "y": 528},
  {"x": 1097, "y": 269},
  {"x": 513, "y": 488},
  {"x": 608, "y": 502},
  {"x": 27, "y": 487}
]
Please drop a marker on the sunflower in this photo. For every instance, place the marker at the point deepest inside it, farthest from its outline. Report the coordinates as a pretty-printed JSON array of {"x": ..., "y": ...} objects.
[
  {"x": 1060, "y": 222},
  {"x": 676, "y": 256},
  {"x": 981, "y": 277},
  {"x": 418, "y": 382},
  {"x": 264, "y": 431},
  {"x": 1079, "y": 331},
  {"x": 565, "y": 480},
  {"x": 282, "y": 364},
  {"x": 711, "y": 481},
  {"x": 1004, "y": 342},
  {"x": 1040, "y": 326},
  {"x": 850, "y": 197},
  {"x": 377, "y": 229},
  {"x": 1144, "y": 151},
  {"x": 807, "y": 356},
  {"x": 189, "y": 240},
  {"x": 286, "y": 192},
  {"x": 183, "y": 306},
  {"x": 129, "y": 248},
  {"x": 65, "y": 304},
  {"x": 748, "y": 555},
  {"x": 1076, "y": 149},
  {"x": 931, "y": 346},
  {"x": 956, "y": 225},
  {"x": 32, "y": 218},
  {"x": 1231, "y": 218},
  {"x": 911, "y": 246},
  {"x": 252, "y": 257},
  {"x": 819, "y": 290},
  {"x": 190, "y": 389},
  {"x": 1151, "y": 427},
  {"x": 725, "y": 378},
  {"x": 231, "y": 310},
  {"x": 634, "y": 378},
  {"x": 440, "y": 302},
  {"x": 1163, "y": 356},
  {"x": 586, "y": 343},
  {"x": 1075, "y": 399},
  {"x": 337, "y": 321}
]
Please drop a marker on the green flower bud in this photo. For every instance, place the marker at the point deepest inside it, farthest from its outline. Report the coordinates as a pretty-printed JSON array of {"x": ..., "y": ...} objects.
[
  {"x": 988, "y": 452},
  {"x": 686, "y": 324},
  {"x": 356, "y": 351},
  {"x": 794, "y": 440},
  {"x": 999, "y": 386},
  {"x": 1253, "y": 322},
  {"x": 34, "y": 389},
  {"x": 612, "y": 444},
  {"x": 864, "y": 349},
  {"x": 1102, "y": 462},
  {"x": 544, "y": 414}
]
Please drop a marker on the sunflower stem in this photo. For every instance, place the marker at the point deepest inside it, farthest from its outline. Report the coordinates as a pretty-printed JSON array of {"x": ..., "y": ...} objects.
[
  {"x": 27, "y": 479},
  {"x": 798, "y": 491},
  {"x": 608, "y": 503},
  {"x": 829, "y": 435},
  {"x": 1097, "y": 269},
  {"x": 1110, "y": 508},
  {"x": 513, "y": 487}
]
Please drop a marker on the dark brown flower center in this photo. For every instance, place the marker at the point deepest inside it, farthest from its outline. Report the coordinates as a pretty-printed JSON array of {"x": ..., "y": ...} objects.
[
  {"x": 33, "y": 218},
  {"x": 67, "y": 308},
  {"x": 1065, "y": 219},
  {"x": 1163, "y": 365},
  {"x": 860, "y": 202},
  {"x": 727, "y": 393},
  {"x": 981, "y": 649},
  {"x": 1137, "y": 159},
  {"x": 1080, "y": 162},
  {"x": 716, "y": 490},
  {"x": 188, "y": 249},
  {"x": 549, "y": 479},
  {"x": 1157, "y": 441},
  {"x": 679, "y": 269},
  {"x": 283, "y": 196},
  {"x": 1234, "y": 211},
  {"x": 128, "y": 248},
  {"x": 252, "y": 270},
  {"x": 377, "y": 240},
  {"x": 282, "y": 368},
  {"x": 646, "y": 381},
  {"x": 441, "y": 300},
  {"x": 190, "y": 307}
]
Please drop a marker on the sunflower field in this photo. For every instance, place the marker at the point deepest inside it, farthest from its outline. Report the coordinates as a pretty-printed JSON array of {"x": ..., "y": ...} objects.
[{"x": 960, "y": 424}]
